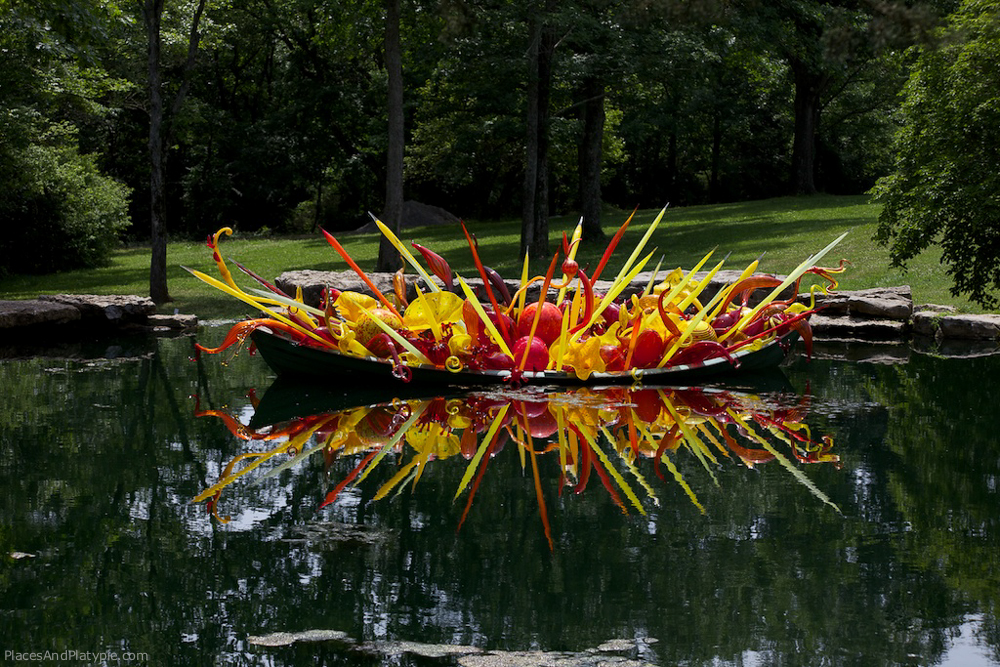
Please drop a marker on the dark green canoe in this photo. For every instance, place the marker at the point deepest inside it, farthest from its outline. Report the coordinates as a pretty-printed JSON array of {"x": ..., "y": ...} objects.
[{"x": 287, "y": 358}]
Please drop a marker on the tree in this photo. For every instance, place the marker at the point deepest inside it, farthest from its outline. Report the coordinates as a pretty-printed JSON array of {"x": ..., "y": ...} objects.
[
  {"x": 827, "y": 46},
  {"x": 945, "y": 186},
  {"x": 286, "y": 128},
  {"x": 591, "y": 154},
  {"x": 535, "y": 202},
  {"x": 388, "y": 257},
  {"x": 468, "y": 133},
  {"x": 596, "y": 28},
  {"x": 819, "y": 42},
  {"x": 152, "y": 14}
]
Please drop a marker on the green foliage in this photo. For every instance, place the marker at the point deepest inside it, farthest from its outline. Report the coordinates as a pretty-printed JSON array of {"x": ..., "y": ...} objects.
[
  {"x": 945, "y": 189},
  {"x": 58, "y": 210},
  {"x": 706, "y": 118},
  {"x": 283, "y": 125}
]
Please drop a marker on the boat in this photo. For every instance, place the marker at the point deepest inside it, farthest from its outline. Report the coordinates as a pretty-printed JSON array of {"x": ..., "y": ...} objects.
[
  {"x": 672, "y": 331},
  {"x": 288, "y": 358}
]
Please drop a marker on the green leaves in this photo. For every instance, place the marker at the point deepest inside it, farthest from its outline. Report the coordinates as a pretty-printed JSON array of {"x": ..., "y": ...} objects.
[{"x": 947, "y": 172}]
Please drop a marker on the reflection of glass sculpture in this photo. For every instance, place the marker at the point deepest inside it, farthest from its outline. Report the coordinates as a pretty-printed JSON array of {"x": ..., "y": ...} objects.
[
  {"x": 578, "y": 336},
  {"x": 611, "y": 434}
]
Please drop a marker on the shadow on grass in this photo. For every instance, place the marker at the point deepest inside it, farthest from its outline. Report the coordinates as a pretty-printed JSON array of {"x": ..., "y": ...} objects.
[
  {"x": 746, "y": 229},
  {"x": 751, "y": 234},
  {"x": 105, "y": 280}
]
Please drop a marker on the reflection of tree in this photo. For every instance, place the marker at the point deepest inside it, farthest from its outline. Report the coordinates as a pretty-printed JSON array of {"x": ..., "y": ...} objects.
[
  {"x": 97, "y": 458},
  {"x": 98, "y": 484},
  {"x": 947, "y": 466},
  {"x": 923, "y": 466}
]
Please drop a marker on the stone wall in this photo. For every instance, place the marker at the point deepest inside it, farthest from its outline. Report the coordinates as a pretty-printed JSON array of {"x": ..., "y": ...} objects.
[
  {"x": 68, "y": 315},
  {"x": 881, "y": 314}
]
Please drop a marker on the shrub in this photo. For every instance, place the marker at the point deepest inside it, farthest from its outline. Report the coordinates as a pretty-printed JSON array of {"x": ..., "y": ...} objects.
[
  {"x": 57, "y": 211},
  {"x": 945, "y": 184}
]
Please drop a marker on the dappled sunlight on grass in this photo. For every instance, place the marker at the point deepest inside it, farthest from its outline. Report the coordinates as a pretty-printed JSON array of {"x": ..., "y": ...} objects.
[{"x": 784, "y": 230}]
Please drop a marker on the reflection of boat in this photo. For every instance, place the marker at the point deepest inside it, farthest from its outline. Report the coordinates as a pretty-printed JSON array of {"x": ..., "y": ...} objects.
[
  {"x": 612, "y": 437},
  {"x": 287, "y": 357},
  {"x": 293, "y": 397}
]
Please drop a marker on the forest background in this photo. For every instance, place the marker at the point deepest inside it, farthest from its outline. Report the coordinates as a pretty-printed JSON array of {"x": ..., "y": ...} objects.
[{"x": 134, "y": 121}]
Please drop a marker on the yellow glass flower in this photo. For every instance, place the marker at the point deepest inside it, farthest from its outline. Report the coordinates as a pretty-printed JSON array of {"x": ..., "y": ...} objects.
[
  {"x": 348, "y": 344},
  {"x": 584, "y": 356},
  {"x": 352, "y": 304},
  {"x": 430, "y": 311}
]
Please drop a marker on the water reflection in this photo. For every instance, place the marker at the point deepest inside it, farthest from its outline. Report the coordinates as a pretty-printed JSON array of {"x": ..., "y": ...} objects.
[
  {"x": 101, "y": 459},
  {"x": 625, "y": 439}
]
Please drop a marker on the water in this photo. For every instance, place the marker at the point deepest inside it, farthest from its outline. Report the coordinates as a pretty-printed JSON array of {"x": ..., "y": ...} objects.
[{"x": 102, "y": 458}]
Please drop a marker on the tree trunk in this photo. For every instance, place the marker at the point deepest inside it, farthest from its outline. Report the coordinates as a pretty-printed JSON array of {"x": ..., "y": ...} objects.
[
  {"x": 392, "y": 215},
  {"x": 591, "y": 154},
  {"x": 713, "y": 178},
  {"x": 672, "y": 160},
  {"x": 808, "y": 88},
  {"x": 318, "y": 210},
  {"x": 152, "y": 13},
  {"x": 530, "y": 142},
  {"x": 535, "y": 214}
]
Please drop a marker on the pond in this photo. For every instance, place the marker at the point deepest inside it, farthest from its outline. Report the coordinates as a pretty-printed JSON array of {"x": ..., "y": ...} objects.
[{"x": 837, "y": 513}]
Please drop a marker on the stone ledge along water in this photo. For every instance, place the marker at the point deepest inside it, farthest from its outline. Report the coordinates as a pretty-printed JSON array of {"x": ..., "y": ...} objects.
[
  {"x": 877, "y": 314},
  {"x": 60, "y": 315}
]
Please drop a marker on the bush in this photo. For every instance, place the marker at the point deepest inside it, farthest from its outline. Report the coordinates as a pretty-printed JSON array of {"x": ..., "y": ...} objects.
[
  {"x": 57, "y": 210},
  {"x": 945, "y": 184}
]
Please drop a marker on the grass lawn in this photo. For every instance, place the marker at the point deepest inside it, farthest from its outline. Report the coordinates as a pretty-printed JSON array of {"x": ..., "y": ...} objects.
[{"x": 786, "y": 230}]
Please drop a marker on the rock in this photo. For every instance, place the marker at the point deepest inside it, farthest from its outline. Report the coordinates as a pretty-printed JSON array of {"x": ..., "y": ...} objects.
[
  {"x": 927, "y": 317},
  {"x": 877, "y": 314},
  {"x": 833, "y": 304},
  {"x": 114, "y": 309},
  {"x": 33, "y": 313},
  {"x": 955, "y": 348},
  {"x": 857, "y": 328},
  {"x": 33, "y": 327},
  {"x": 933, "y": 308},
  {"x": 720, "y": 280},
  {"x": 313, "y": 283},
  {"x": 177, "y": 321},
  {"x": 946, "y": 324},
  {"x": 289, "y": 638},
  {"x": 431, "y": 651},
  {"x": 417, "y": 214},
  {"x": 892, "y": 303},
  {"x": 724, "y": 278},
  {"x": 862, "y": 351},
  {"x": 927, "y": 323},
  {"x": 975, "y": 327}
]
